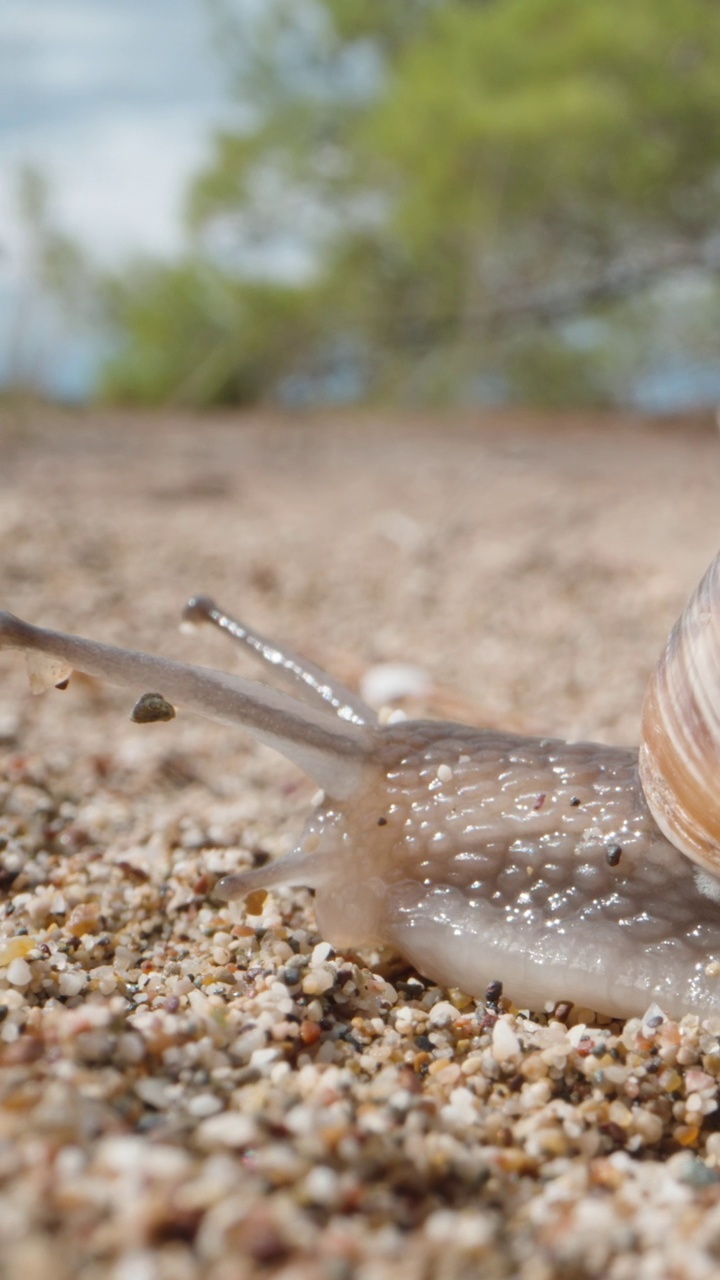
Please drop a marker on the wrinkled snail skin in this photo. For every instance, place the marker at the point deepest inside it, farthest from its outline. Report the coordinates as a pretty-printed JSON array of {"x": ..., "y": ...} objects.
[
  {"x": 481, "y": 855},
  {"x": 558, "y": 868}
]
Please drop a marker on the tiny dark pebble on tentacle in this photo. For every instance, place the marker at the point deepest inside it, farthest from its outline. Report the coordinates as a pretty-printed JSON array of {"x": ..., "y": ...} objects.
[{"x": 151, "y": 707}]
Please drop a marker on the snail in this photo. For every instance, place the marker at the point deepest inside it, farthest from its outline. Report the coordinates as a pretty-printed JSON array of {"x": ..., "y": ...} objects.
[{"x": 567, "y": 871}]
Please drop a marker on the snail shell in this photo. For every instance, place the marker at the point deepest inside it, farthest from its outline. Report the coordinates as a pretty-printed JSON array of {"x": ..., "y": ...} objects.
[
  {"x": 568, "y": 871},
  {"x": 680, "y": 739}
]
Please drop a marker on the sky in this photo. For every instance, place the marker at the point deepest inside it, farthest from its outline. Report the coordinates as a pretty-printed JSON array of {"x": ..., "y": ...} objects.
[{"x": 115, "y": 101}]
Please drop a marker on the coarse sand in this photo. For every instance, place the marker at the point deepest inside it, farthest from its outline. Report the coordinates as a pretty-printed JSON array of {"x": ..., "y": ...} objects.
[{"x": 188, "y": 1090}]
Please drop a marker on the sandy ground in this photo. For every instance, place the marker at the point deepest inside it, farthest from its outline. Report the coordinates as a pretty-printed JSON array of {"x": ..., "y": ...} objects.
[{"x": 178, "y": 1100}]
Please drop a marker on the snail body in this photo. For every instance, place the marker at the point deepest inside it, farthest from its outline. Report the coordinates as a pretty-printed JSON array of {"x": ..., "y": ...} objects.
[
  {"x": 484, "y": 855},
  {"x": 568, "y": 871}
]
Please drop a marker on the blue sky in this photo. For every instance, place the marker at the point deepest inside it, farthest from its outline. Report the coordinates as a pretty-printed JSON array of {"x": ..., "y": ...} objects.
[{"x": 115, "y": 101}]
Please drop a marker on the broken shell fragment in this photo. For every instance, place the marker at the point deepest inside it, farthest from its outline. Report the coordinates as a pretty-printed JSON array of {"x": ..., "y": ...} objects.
[{"x": 45, "y": 672}]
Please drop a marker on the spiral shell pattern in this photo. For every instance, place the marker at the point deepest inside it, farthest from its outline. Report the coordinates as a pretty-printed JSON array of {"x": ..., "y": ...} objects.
[{"x": 680, "y": 744}]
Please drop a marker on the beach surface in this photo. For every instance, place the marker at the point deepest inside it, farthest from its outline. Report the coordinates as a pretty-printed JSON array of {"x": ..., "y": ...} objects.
[{"x": 188, "y": 1090}]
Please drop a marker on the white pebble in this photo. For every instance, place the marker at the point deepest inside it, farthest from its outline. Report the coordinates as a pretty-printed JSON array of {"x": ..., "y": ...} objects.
[
  {"x": 321, "y": 952},
  {"x": 154, "y": 1091},
  {"x": 444, "y": 772},
  {"x": 262, "y": 1058},
  {"x": 130, "y": 1154},
  {"x": 712, "y": 1147},
  {"x": 442, "y": 1014},
  {"x": 204, "y": 1105},
  {"x": 135, "y": 1265},
  {"x": 72, "y": 982},
  {"x": 460, "y": 1231},
  {"x": 322, "y": 1185},
  {"x": 387, "y": 681},
  {"x": 19, "y": 972},
  {"x": 652, "y": 1013},
  {"x": 130, "y": 1048},
  {"x": 320, "y": 979},
  {"x": 227, "y": 1130},
  {"x": 405, "y": 1017},
  {"x": 505, "y": 1043},
  {"x": 245, "y": 1045},
  {"x": 301, "y": 1119}
]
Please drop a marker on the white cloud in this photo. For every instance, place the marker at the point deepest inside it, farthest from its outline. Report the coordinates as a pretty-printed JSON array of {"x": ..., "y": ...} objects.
[{"x": 114, "y": 103}]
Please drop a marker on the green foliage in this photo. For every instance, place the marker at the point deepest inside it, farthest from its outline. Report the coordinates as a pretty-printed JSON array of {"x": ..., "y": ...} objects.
[
  {"x": 582, "y": 115},
  {"x": 196, "y": 336},
  {"x": 467, "y": 176}
]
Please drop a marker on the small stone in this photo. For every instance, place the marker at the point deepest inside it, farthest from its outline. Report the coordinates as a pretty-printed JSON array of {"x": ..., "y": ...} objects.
[
  {"x": 245, "y": 1045},
  {"x": 653, "y": 1018},
  {"x": 619, "y": 1114},
  {"x": 318, "y": 980},
  {"x": 204, "y": 1105},
  {"x": 106, "y": 980},
  {"x": 84, "y": 918},
  {"x": 130, "y": 1048},
  {"x": 72, "y": 982},
  {"x": 154, "y": 1092},
  {"x": 255, "y": 902},
  {"x": 14, "y": 948},
  {"x": 442, "y": 1014},
  {"x": 231, "y": 1129},
  {"x": 648, "y": 1125},
  {"x": 19, "y": 972},
  {"x": 505, "y": 1043},
  {"x": 150, "y": 708},
  {"x": 262, "y": 1058},
  {"x": 322, "y": 1185}
]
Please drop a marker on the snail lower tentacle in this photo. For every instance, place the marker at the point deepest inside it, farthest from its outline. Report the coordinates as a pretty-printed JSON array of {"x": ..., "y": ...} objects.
[
  {"x": 331, "y": 752},
  {"x": 558, "y": 868}
]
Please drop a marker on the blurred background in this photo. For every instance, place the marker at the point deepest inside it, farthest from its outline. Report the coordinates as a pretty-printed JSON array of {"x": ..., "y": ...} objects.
[{"x": 312, "y": 202}]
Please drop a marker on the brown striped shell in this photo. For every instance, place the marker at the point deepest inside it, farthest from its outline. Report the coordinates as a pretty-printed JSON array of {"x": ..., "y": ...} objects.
[{"x": 680, "y": 742}]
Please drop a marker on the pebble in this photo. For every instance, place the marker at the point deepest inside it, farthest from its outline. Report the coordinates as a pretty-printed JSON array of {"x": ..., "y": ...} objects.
[
  {"x": 203, "y": 1105},
  {"x": 155, "y": 1092},
  {"x": 72, "y": 982},
  {"x": 227, "y": 1130},
  {"x": 322, "y": 1185},
  {"x": 319, "y": 980},
  {"x": 505, "y": 1043},
  {"x": 14, "y": 948},
  {"x": 19, "y": 972},
  {"x": 442, "y": 1014}
]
